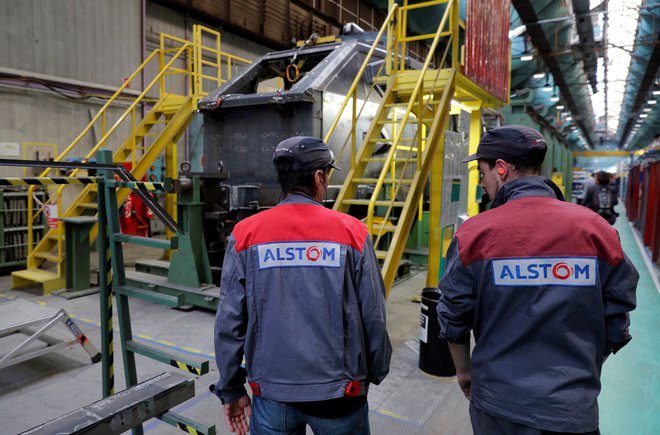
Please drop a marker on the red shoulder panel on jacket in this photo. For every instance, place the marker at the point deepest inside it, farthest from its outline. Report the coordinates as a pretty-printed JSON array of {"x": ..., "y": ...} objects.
[
  {"x": 538, "y": 227},
  {"x": 297, "y": 222}
]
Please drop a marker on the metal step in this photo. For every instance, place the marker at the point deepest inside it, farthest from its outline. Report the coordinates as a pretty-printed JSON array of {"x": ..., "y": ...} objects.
[
  {"x": 28, "y": 277},
  {"x": 385, "y": 140},
  {"x": 124, "y": 410},
  {"x": 383, "y": 203},
  {"x": 186, "y": 363},
  {"x": 405, "y": 104},
  {"x": 386, "y": 181},
  {"x": 47, "y": 256},
  {"x": 89, "y": 205},
  {"x": 387, "y": 228},
  {"x": 176, "y": 301},
  {"x": 396, "y": 159}
]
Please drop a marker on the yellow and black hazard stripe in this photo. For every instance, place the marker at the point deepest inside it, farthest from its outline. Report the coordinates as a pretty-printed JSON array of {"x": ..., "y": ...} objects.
[
  {"x": 186, "y": 367},
  {"x": 46, "y": 181},
  {"x": 186, "y": 428},
  {"x": 111, "y": 359},
  {"x": 139, "y": 185}
]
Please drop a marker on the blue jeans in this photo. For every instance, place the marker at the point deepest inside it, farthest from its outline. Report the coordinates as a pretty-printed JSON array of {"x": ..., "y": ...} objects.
[{"x": 270, "y": 417}]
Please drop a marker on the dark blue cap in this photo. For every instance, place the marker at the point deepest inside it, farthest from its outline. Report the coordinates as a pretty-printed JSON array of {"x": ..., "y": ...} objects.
[
  {"x": 305, "y": 153},
  {"x": 515, "y": 144}
]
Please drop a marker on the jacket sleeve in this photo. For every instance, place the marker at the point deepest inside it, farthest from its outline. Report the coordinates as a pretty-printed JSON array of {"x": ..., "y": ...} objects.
[
  {"x": 456, "y": 306},
  {"x": 230, "y": 328},
  {"x": 619, "y": 298},
  {"x": 370, "y": 293}
]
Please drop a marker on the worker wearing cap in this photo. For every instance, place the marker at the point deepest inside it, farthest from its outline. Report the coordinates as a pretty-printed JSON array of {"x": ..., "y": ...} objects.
[
  {"x": 546, "y": 289},
  {"x": 302, "y": 299}
]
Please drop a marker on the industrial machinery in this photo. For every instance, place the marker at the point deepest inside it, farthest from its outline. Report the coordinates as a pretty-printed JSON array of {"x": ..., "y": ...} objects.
[{"x": 282, "y": 94}]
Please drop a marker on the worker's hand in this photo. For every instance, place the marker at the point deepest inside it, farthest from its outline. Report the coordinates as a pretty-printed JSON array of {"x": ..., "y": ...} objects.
[
  {"x": 465, "y": 382},
  {"x": 237, "y": 415}
]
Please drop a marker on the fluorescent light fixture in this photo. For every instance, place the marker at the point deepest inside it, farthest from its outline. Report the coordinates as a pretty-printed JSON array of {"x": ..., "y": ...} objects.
[
  {"x": 526, "y": 57},
  {"x": 569, "y": 118},
  {"x": 646, "y": 109},
  {"x": 643, "y": 115},
  {"x": 547, "y": 88},
  {"x": 554, "y": 98},
  {"x": 539, "y": 75},
  {"x": 651, "y": 102},
  {"x": 657, "y": 92},
  {"x": 517, "y": 32},
  {"x": 560, "y": 107}
]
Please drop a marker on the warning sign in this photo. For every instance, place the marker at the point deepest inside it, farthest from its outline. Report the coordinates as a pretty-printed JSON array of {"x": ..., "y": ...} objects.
[{"x": 51, "y": 215}]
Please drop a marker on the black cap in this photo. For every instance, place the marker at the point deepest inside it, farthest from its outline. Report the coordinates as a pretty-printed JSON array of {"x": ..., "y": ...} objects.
[
  {"x": 515, "y": 144},
  {"x": 305, "y": 153}
]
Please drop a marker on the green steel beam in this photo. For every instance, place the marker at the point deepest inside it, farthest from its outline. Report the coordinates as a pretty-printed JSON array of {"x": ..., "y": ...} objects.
[
  {"x": 149, "y": 242},
  {"x": 195, "y": 366}
]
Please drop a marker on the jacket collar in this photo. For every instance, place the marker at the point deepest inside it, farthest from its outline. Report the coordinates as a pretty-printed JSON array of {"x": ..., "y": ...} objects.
[
  {"x": 296, "y": 198},
  {"x": 524, "y": 187}
]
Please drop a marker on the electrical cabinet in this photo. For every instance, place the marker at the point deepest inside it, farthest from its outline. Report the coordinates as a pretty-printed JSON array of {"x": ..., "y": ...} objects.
[{"x": 14, "y": 225}]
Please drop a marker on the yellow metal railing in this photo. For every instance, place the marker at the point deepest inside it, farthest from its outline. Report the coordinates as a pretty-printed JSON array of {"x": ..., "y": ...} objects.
[
  {"x": 352, "y": 91},
  {"x": 417, "y": 92},
  {"x": 172, "y": 53},
  {"x": 395, "y": 26}
]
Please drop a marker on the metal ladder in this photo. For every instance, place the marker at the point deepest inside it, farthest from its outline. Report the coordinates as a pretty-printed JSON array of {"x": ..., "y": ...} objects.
[
  {"x": 112, "y": 279},
  {"x": 395, "y": 157}
]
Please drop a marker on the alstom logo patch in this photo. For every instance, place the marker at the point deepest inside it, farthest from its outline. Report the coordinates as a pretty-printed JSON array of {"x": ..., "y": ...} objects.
[
  {"x": 568, "y": 271},
  {"x": 297, "y": 254}
]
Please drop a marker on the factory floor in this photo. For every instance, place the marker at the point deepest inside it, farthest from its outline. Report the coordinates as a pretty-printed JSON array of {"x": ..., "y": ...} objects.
[{"x": 408, "y": 401}]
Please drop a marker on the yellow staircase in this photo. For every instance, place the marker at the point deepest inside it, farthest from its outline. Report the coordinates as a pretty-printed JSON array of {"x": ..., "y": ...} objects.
[
  {"x": 157, "y": 132},
  {"x": 394, "y": 161},
  {"x": 405, "y": 142}
]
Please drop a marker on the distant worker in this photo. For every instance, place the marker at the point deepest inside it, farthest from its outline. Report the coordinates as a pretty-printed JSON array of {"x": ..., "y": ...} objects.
[
  {"x": 546, "y": 288},
  {"x": 586, "y": 184},
  {"x": 601, "y": 197},
  {"x": 302, "y": 298}
]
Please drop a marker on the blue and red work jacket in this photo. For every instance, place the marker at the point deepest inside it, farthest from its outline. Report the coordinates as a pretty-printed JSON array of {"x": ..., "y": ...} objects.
[
  {"x": 546, "y": 288},
  {"x": 302, "y": 298}
]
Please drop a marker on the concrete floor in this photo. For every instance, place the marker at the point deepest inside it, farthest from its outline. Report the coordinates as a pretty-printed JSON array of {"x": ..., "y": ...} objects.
[{"x": 408, "y": 401}]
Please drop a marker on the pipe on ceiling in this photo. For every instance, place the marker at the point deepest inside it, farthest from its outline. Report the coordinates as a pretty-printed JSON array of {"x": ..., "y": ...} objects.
[{"x": 564, "y": 68}]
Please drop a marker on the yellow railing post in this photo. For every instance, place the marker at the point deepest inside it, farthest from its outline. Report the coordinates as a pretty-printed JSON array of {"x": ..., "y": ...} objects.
[
  {"x": 133, "y": 143},
  {"x": 29, "y": 222},
  {"x": 353, "y": 130},
  {"x": 60, "y": 234},
  {"x": 454, "y": 23}
]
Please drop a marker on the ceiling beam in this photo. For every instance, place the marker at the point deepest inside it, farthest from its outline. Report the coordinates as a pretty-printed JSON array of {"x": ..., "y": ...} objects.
[
  {"x": 642, "y": 91},
  {"x": 536, "y": 33},
  {"x": 536, "y": 116}
]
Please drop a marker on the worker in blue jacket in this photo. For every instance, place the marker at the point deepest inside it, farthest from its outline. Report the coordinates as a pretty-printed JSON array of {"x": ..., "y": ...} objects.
[
  {"x": 302, "y": 299},
  {"x": 546, "y": 289}
]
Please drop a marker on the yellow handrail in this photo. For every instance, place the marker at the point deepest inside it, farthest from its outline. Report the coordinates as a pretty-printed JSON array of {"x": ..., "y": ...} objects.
[
  {"x": 100, "y": 113},
  {"x": 192, "y": 71},
  {"x": 360, "y": 73}
]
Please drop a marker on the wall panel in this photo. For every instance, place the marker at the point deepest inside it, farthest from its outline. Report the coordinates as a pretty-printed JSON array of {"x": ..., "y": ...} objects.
[{"x": 95, "y": 41}]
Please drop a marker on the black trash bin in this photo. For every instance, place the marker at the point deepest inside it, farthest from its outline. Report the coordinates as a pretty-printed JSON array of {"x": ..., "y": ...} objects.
[{"x": 434, "y": 356}]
